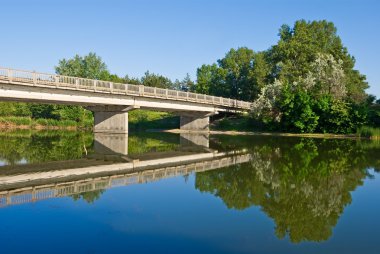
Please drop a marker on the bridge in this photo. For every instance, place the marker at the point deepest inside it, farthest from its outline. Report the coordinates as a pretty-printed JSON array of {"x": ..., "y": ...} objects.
[
  {"x": 29, "y": 184},
  {"x": 111, "y": 101}
]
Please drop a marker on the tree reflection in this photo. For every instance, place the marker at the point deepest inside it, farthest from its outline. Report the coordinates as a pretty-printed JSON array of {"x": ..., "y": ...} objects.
[
  {"x": 89, "y": 196},
  {"x": 43, "y": 146},
  {"x": 303, "y": 184}
]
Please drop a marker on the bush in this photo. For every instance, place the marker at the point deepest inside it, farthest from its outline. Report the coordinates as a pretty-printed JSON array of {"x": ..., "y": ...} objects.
[{"x": 369, "y": 132}]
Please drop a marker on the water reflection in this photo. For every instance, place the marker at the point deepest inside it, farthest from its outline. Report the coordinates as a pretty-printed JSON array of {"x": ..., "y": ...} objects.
[
  {"x": 86, "y": 174},
  {"x": 302, "y": 184}
]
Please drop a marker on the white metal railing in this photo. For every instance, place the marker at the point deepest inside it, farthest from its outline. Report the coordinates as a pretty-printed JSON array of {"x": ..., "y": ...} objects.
[
  {"x": 31, "y": 194},
  {"x": 31, "y": 78}
]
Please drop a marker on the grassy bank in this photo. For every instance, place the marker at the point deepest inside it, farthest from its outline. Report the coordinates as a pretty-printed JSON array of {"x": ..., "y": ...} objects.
[
  {"x": 369, "y": 132},
  {"x": 19, "y": 122},
  {"x": 243, "y": 125},
  {"x": 232, "y": 123},
  {"x": 138, "y": 120}
]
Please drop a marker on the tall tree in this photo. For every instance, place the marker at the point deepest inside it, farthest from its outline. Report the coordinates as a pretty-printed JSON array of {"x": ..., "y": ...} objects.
[
  {"x": 90, "y": 66},
  {"x": 292, "y": 57},
  {"x": 155, "y": 80}
]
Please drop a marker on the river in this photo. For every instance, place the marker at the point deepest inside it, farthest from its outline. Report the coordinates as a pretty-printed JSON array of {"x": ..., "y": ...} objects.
[{"x": 73, "y": 192}]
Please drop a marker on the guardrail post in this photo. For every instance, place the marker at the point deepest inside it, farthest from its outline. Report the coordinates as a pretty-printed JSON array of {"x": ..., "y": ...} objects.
[
  {"x": 111, "y": 87},
  {"x": 141, "y": 90},
  {"x": 155, "y": 91},
  {"x": 10, "y": 74},
  {"x": 56, "y": 81},
  {"x": 34, "y": 78},
  {"x": 77, "y": 83},
  {"x": 94, "y": 85},
  {"x": 166, "y": 93}
]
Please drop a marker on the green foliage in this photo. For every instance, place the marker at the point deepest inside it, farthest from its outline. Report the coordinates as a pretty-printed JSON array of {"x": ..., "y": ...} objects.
[
  {"x": 146, "y": 120},
  {"x": 36, "y": 147},
  {"x": 184, "y": 85},
  {"x": 233, "y": 123},
  {"x": 16, "y": 120},
  {"x": 299, "y": 47},
  {"x": 302, "y": 184},
  {"x": 90, "y": 66},
  {"x": 154, "y": 80},
  {"x": 369, "y": 132},
  {"x": 298, "y": 114},
  {"x": 239, "y": 75},
  {"x": 14, "y": 109}
]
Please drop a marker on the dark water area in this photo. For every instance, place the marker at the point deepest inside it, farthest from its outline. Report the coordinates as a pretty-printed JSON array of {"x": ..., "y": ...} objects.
[{"x": 72, "y": 192}]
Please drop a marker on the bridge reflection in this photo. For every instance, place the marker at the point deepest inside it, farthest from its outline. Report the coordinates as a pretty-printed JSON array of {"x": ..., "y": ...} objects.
[{"x": 110, "y": 166}]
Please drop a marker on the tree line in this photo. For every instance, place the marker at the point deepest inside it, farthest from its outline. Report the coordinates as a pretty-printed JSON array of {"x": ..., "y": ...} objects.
[{"x": 307, "y": 82}]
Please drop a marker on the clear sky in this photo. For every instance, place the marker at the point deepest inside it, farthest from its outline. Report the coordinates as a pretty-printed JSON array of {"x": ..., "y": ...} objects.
[{"x": 173, "y": 38}]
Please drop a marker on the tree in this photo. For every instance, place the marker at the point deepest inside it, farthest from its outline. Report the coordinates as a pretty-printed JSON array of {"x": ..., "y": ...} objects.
[
  {"x": 297, "y": 111},
  {"x": 292, "y": 57},
  {"x": 238, "y": 65},
  {"x": 185, "y": 84},
  {"x": 90, "y": 66},
  {"x": 155, "y": 80},
  {"x": 211, "y": 80},
  {"x": 326, "y": 77},
  {"x": 239, "y": 75}
]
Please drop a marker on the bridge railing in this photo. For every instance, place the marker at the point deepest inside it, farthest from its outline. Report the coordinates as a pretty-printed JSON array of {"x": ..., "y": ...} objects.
[
  {"x": 81, "y": 84},
  {"x": 31, "y": 194}
]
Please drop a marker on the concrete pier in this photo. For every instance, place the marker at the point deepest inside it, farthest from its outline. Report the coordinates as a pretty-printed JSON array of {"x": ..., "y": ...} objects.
[
  {"x": 195, "y": 122},
  {"x": 111, "y": 122}
]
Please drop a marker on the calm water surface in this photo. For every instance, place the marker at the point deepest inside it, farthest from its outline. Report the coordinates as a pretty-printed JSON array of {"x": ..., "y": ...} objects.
[{"x": 67, "y": 192}]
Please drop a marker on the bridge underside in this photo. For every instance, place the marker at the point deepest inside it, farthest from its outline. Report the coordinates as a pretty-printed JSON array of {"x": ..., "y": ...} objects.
[
  {"x": 115, "y": 120},
  {"x": 111, "y": 110}
]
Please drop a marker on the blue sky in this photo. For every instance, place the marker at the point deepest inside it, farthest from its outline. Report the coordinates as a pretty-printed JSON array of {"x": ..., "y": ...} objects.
[{"x": 173, "y": 38}]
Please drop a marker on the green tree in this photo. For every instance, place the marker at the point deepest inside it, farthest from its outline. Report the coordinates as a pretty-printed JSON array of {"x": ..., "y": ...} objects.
[
  {"x": 292, "y": 57},
  {"x": 297, "y": 109},
  {"x": 155, "y": 80},
  {"x": 89, "y": 66}
]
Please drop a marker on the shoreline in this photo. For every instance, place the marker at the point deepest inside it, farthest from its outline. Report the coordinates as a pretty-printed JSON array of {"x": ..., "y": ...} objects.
[
  {"x": 7, "y": 127},
  {"x": 10, "y": 127},
  {"x": 274, "y": 134}
]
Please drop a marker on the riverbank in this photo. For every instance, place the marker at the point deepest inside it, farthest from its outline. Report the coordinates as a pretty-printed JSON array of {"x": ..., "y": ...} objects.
[
  {"x": 279, "y": 134},
  {"x": 25, "y": 123},
  {"x": 153, "y": 121}
]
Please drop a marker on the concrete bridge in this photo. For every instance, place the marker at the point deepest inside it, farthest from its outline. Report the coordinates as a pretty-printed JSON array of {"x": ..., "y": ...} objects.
[
  {"x": 30, "y": 183},
  {"x": 111, "y": 102}
]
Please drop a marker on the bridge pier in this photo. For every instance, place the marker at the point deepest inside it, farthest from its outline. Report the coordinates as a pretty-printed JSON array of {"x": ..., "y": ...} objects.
[
  {"x": 111, "y": 122},
  {"x": 111, "y": 119},
  {"x": 195, "y": 121}
]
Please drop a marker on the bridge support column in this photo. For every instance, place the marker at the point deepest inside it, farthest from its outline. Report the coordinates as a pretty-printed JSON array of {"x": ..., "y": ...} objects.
[
  {"x": 111, "y": 122},
  {"x": 195, "y": 121},
  {"x": 111, "y": 119}
]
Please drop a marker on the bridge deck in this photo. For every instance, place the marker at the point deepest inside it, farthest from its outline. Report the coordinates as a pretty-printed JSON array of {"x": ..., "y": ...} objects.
[{"x": 44, "y": 80}]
